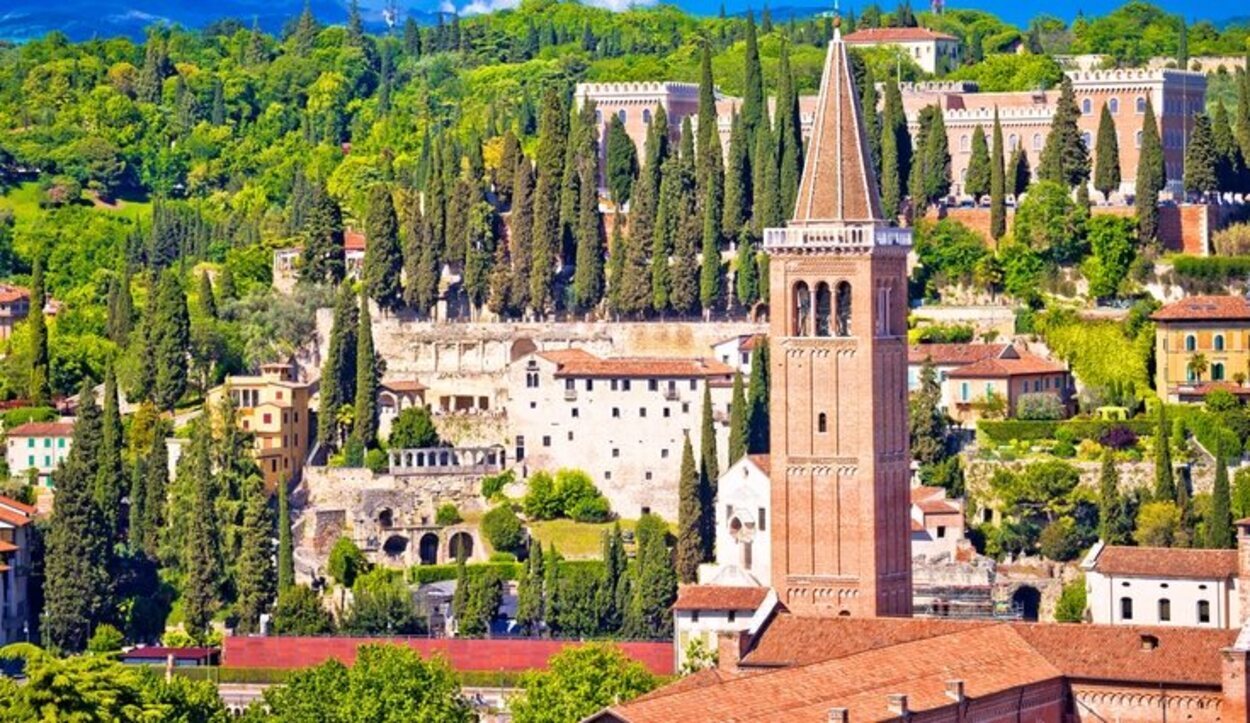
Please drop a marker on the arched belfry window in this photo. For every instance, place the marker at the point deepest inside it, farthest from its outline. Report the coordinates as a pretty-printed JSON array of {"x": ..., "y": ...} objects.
[
  {"x": 822, "y": 423},
  {"x": 844, "y": 309},
  {"x": 824, "y": 308},
  {"x": 802, "y": 309}
]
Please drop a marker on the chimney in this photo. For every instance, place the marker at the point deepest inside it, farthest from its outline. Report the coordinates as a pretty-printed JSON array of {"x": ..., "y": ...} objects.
[
  {"x": 839, "y": 715},
  {"x": 897, "y": 703},
  {"x": 730, "y": 647},
  {"x": 1243, "y": 572},
  {"x": 955, "y": 690}
]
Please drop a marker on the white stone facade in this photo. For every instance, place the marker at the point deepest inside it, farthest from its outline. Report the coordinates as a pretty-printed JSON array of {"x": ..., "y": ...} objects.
[
  {"x": 742, "y": 524},
  {"x": 38, "y": 446},
  {"x": 1182, "y": 592}
]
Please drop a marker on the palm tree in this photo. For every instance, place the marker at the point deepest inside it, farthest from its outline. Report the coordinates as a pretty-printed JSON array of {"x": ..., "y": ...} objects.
[{"x": 1197, "y": 366}]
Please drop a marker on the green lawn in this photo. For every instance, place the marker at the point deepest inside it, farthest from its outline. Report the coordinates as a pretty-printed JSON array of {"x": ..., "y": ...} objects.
[
  {"x": 575, "y": 540},
  {"x": 23, "y": 200}
]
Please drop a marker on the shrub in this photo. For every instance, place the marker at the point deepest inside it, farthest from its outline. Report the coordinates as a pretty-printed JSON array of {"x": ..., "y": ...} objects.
[
  {"x": 1232, "y": 241},
  {"x": 447, "y": 514},
  {"x": 592, "y": 509},
  {"x": 413, "y": 428},
  {"x": 377, "y": 461},
  {"x": 1118, "y": 437},
  {"x": 346, "y": 562},
  {"x": 945, "y": 334},
  {"x": 426, "y": 574},
  {"x": 299, "y": 611},
  {"x": 573, "y": 487},
  {"x": 1060, "y": 540},
  {"x": 353, "y": 453},
  {"x": 1064, "y": 450},
  {"x": 106, "y": 639},
  {"x": 502, "y": 557},
  {"x": 494, "y": 484},
  {"x": 17, "y": 417},
  {"x": 541, "y": 501},
  {"x": 1003, "y": 431},
  {"x": 1198, "y": 274},
  {"x": 1071, "y": 605},
  {"x": 503, "y": 528},
  {"x": 1040, "y": 405}
]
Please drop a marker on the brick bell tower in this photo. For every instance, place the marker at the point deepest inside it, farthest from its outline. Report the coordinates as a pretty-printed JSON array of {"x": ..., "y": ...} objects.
[{"x": 840, "y": 463}]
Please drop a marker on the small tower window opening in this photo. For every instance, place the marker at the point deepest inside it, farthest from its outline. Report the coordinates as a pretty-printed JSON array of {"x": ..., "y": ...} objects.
[
  {"x": 646, "y": 116},
  {"x": 1191, "y": 343},
  {"x": 822, "y": 423},
  {"x": 1087, "y": 106},
  {"x": 824, "y": 307},
  {"x": 802, "y": 308},
  {"x": 1141, "y": 105},
  {"x": 1113, "y": 105},
  {"x": 844, "y": 309}
]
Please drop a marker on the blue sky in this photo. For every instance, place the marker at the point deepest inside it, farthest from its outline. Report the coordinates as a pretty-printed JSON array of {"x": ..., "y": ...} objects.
[{"x": 1016, "y": 12}]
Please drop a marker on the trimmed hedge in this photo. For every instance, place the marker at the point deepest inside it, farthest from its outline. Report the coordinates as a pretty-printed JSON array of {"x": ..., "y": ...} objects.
[
  {"x": 1004, "y": 431},
  {"x": 1211, "y": 268},
  {"x": 425, "y": 574}
]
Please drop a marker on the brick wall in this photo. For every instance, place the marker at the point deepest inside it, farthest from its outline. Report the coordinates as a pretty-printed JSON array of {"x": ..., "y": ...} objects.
[{"x": 462, "y": 654}]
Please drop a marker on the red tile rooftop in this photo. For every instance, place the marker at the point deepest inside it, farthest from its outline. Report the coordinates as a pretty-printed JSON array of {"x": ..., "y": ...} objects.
[
  {"x": 42, "y": 429},
  {"x": 895, "y": 35},
  {"x": 719, "y": 597},
  {"x": 1167, "y": 562},
  {"x": 1204, "y": 308}
]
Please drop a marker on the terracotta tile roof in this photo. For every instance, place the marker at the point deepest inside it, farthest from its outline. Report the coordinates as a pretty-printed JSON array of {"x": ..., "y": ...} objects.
[
  {"x": 17, "y": 519},
  {"x": 937, "y": 507},
  {"x": 791, "y": 640},
  {"x": 719, "y": 597},
  {"x": 6, "y": 546},
  {"x": 953, "y": 354},
  {"x": 838, "y": 183},
  {"x": 1206, "y": 388},
  {"x": 895, "y": 35},
  {"x": 643, "y": 367},
  {"x": 43, "y": 429},
  {"x": 353, "y": 240},
  {"x": 404, "y": 385},
  {"x": 564, "y": 356},
  {"x": 763, "y": 462},
  {"x": 18, "y": 506},
  {"x": 999, "y": 368},
  {"x": 9, "y": 294},
  {"x": 752, "y": 341},
  {"x": 1166, "y": 562},
  {"x": 916, "y": 526},
  {"x": 1116, "y": 652},
  {"x": 1202, "y": 308}
]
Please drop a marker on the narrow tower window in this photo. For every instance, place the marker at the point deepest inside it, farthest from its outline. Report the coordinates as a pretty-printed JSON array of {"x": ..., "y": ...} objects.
[
  {"x": 822, "y": 423},
  {"x": 824, "y": 307},
  {"x": 802, "y": 308},
  {"x": 844, "y": 309}
]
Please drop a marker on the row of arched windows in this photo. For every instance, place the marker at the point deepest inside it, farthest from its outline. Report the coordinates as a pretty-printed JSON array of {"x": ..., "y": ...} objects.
[
  {"x": 1191, "y": 342},
  {"x": 623, "y": 115},
  {"x": 1113, "y": 105},
  {"x": 832, "y": 307}
]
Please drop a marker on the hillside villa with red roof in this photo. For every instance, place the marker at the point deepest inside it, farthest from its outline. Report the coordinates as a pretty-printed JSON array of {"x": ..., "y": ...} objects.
[
  {"x": 38, "y": 446},
  {"x": 14, "y": 306},
  {"x": 1202, "y": 343},
  {"x": 934, "y": 52},
  {"x": 16, "y": 520},
  {"x": 973, "y": 374},
  {"x": 621, "y": 419}
]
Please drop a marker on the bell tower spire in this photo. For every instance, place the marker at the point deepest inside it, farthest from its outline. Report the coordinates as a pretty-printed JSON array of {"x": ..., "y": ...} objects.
[{"x": 839, "y": 443}]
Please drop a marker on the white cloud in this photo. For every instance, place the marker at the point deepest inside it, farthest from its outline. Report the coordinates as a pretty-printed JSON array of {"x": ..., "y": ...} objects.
[
  {"x": 618, "y": 6},
  {"x": 446, "y": 7},
  {"x": 482, "y": 7}
]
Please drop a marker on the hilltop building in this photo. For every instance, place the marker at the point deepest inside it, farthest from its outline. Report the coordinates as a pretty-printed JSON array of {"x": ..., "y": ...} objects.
[
  {"x": 974, "y": 376},
  {"x": 14, "y": 306},
  {"x": 1202, "y": 343},
  {"x": 16, "y": 533},
  {"x": 274, "y": 408},
  {"x": 38, "y": 447},
  {"x": 934, "y": 52}
]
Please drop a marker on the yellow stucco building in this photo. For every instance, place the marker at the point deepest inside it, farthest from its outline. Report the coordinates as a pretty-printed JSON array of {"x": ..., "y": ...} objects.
[
  {"x": 274, "y": 408},
  {"x": 1202, "y": 343}
]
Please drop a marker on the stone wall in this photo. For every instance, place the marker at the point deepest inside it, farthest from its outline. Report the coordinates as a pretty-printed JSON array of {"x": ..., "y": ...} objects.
[{"x": 1133, "y": 475}]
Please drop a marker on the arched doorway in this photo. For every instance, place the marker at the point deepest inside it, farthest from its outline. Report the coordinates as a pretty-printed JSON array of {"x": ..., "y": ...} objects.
[
  {"x": 395, "y": 545},
  {"x": 460, "y": 546},
  {"x": 386, "y": 518},
  {"x": 1028, "y": 600},
  {"x": 427, "y": 549}
]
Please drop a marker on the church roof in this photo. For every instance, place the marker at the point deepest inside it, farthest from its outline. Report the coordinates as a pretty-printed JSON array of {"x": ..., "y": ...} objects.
[
  {"x": 1166, "y": 562},
  {"x": 719, "y": 597},
  {"x": 838, "y": 182}
]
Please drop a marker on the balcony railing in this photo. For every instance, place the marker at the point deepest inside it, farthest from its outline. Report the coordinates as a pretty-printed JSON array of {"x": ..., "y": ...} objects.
[
  {"x": 670, "y": 393},
  {"x": 570, "y": 395},
  {"x": 835, "y": 236}
]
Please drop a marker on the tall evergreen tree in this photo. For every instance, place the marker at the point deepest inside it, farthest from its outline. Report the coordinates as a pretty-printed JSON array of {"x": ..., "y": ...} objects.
[
  {"x": 1019, "y": 175},
  {"x": 1113, "y": 522},
  {"x": 365, "y": 420},
  {"x": 746, "y": 273},
  {"x": 790, "y": 134},
  {"x": 1201, "y": 159},
  {"x": 1165, "y": 488},
  {"x": 256, "y": 583},
  {"x": 754, "y": 114},
  {"x": 553, "y": 134},
  {"x": 663, "y": 233},
  {"x": 200, "y": 556},
  {"x": 110, "y": 484},
  {"x": 1065, "y": 159},
  {"x": 622, "y": 162},
  {"x": 522, "y": 233},
  {"x": 383, "y": 264},
  {"x": 76, "y": 579},
  {"x": 655, "y": 582},
  {"x": 690, "y": 523},
  {"x": 709, "y": 472},
  {"x": 1219, "y": 527},
  {"x": 710, "y": 176},
  {"x": 937, "y": 159},
  {"x": 1230, "y": 164},
  {"x": 739, "y": 412},
  {"x": 613, "y": 593},
  {"x": 170, "y": 342},
  {"x": 1151, "y": 177},
  {"x": 120, "y": 308},
  {"x": 588, "y": 271},
  {"x": 979, "y": 171},
  {"x": 323, "y": 239},
  {"x": 737, "y": 205},
  {"x": 1182, "y": 46},
  {"x": 766, "y": 212},
  {"x": 1243, "y": 110},
  {"x": 872, "y": 123},
  {"x": 155, "y": 493},
  {"x": 529, "y": 612},
  {"x": 710, "y": 268},
  {"x": 338, "y": 372},
  {"x": 896, "y": 152},
  {"x": 286, "y": 546},
  {"x": 206, "y": 300},
  {"x": 39, "y": 390},
  {"x": 1106, "y": 155},
  {"x": 998, "y": 183},
  {"x": 305, "y": 35},
  {"x": 758, "y": 420}
]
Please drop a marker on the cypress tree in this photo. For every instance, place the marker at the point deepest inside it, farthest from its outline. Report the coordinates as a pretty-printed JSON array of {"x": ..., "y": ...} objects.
[
  {"x": 501, "y": 282},
  {"x": 616, "y": 263},
  {"x": 305, "y": 34},
  {"x": 120, "y": 308},
  {"x": 553, "y": 134},
  {"x": 1201, "y": 160},
  {"x": 522, "y": 233},
  {"x": 979, "y": 171},
  {"x": 206, "y": 300},
  {"x": 767, "y": 210},
  {"x": 1165, "y": 488},
  {"x": 1151, "y": 177},
  {"x": 39, "y": 390},
  {"x": 1243, "y": 110},
  {"x": 709, "y": 179},
  {"x": 896, "y": 152},
  {"x": 1019, "y": 175},
  {"x": 754, "y": 114},
  {"x": 170, "y": 342},
  {"x": 529, "y": 612},
  {"x": 654, "y": 584},
  {"x": 710, "y": 269},
  {"x": 588, "y": 272},
  {"x": 758, "y": 419},
  {"x": 1065, "y": 159},
  {"x": 110, "y": 481},
  {"x": 937, "y": 159},
  {"x": 225, "y": 286},
  {"x": 323, "y": 239},
  {"x": 365, "y": 422},
  {"x": 76, "y": 579},
  {"x": 746, "y": 275},
  {"x": 217, "y": 112},
  {"x": 1113, "y": 523},
  {"x": 709, "y": 472},
  {"x": 1219, "y": 527},
  {"x": 200, "y": 554},
  {"x": 790, "y": 134},
  {"x": 998, "y": 184},
  {"x": 504, "y": 175},
  {"x": 622, "y": 162},
  {"x": 338, "y": 372},
  {"x": 383, "y": 264},
  {"x": 1230, "y": 165},
  {"x": 738, "y": 413},
  {"x": 872, "y": 123},
  {"x": 256, "y": 584},
  {"x": 737, "y": 204},
  {"x": 286, "y": 547},
  {"x": 690, "y": 524},
  {"x": 1182, "y": 47},
  {"x": 155, "y": 493},
  {"x": 1106, "y": 155},
  {"x": 663, "y": 233},
  {"x": 613, "y": 592},
  {"x": 684, "y": 231},
  {"x": 916, "y": 178}
]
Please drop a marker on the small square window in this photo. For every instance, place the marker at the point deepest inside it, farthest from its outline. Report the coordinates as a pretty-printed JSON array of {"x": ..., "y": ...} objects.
[
  {"x": 667, "y": 413},
  {"x": 732, "y": 615},
  {"x": 616, "y": 412},
  {"x": 694, "y": 384},
  {"x": 616, "y": 452},
  {"x": 685, "y": 407},
  {"x": 612, "y": 385},
  {"x": 941, "y": 531},
  {"x": 546, "y": 441},
  {"x": 574, "y": 412},
  {"x": 533, "y": 405},
  {"x": 653, "y": 385},
  {"x": 642, "y": 412},
  {"x": 570, "y": 435},
  {"x": 590, "y": 384},
  {"x": 625, "y": 385},
  {"x": 607, "y": 475},
  {"x": 647, "y": 475},
  {"x": 268, "y": 418},
  {"x": 663, "y": 454}
]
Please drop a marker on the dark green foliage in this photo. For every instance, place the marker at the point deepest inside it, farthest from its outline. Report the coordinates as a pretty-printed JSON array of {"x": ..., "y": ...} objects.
[
  {"x": 709, "y": 472},
  {"x": 789, "y": 134},
  {"x": 286, "y": 546},
  {"x": 1106, "y": 155},
  {"x": 169, "y": 341},
  {"x": 766, "y": 182},
  {"x": 365, "y": 421},
  {"x": 481, "y": 606},
  {"x": 1151, "y": 177},
  {"x": 338, "y": 373},
  {"x": 758, "y": 419},
  {"x": 110, "y": 483},
  {"x": 529, "y": 613},
  {"x": 323, "y": 239},
  {"x": 503, "y": 529},
  {"x": 1019, "y": 176},
  {"x": 522, "y": 237},
  {"x": 382, "y": 604},
  {"x": 120, "y": 309},
  {"x": 346, "y": 562},
  {"x": 588, "y": 275},
  {"x": 710, "y": 174},
  {"x": 998, "y": 184},
  {"x": 690, "y": 523},
  {"x": 201, "y": 554},
  {"x": 622, "y": 162},
  {"x": 896, "y": 152},
  {"x": 1114, "y": 523},
  {"x": 1065, "y": 159},
  {"x": 979, "y": 171},
  {"x": 746, "y": 272},
  {"x": 872, "y": 122},
  {"x": 754, "y": 114},
  {"x": 578, "y": 682},
  {"x": 413, "y": 428},
  {"x": 1219, "y": 525},
  {"x": 553, "y": 135},
  {"x": 1165, "y": 488},
  {"x": 1230, "y": 163},
  {"x": 737, "y": 203},
  {"x": 383, "y": 264},
  {"x": 255, "y": 577},
  {"x": 206, "y": 300},
  {"x": 655, "y": 582},
  {"x": 710, "y": 269},
  {"x": 928, "y": 425},
  {"x": 738, "y": 414},
  {"x": 39, "y": 390},
  {"x": 1201, "y": 159},
  {"x": 77, "y": 585}
]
